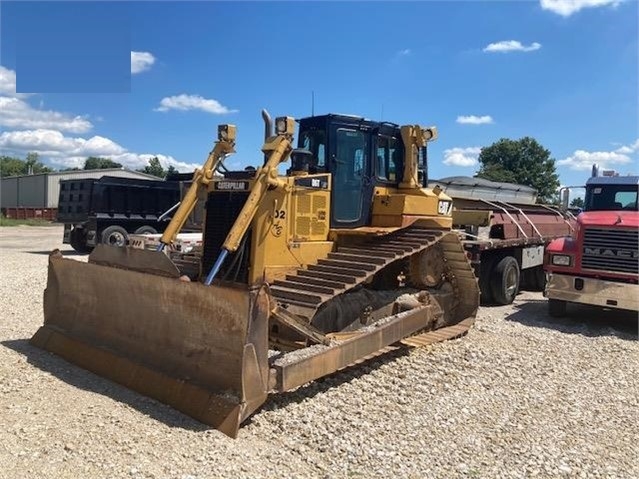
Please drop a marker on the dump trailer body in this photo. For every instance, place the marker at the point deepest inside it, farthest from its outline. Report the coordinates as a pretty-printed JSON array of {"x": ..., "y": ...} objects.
[
  {"x": 504, "y": 232},
  {"x": 108, "y": 209}
]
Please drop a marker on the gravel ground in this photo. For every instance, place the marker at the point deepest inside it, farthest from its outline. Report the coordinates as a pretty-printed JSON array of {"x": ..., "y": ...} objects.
[{"x": 520, "y": 396}]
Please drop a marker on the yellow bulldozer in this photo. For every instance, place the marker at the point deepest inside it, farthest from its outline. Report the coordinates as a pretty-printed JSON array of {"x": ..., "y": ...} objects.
[{"x": 344, "y": 257}]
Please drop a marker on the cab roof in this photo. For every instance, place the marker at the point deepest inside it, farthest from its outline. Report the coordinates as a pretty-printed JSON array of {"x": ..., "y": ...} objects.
[{"x": 613, "y": 180}]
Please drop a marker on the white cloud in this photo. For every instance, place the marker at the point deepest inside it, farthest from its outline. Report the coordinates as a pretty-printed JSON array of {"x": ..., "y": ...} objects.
[
  {"x": 54, "y": 143},
  {"x": 141, "y": 61},
  {"x": 403, "y": 53},
  {"x": 16, "y": 113},
  {"x": 185, "y": 102},
  {"x": 67, "y": 152},
  {"x": 475, "y": 120},
  {"x": 583, "y": 160},
  {"x": 462, "y": 156},
  {"x": 627, "y": 149},
  {"x": 507, "y": 46},
  {"x": 8, "y": 83},
  {"x": 41, "y": 131},
  {"x": 565, "y": 8}
]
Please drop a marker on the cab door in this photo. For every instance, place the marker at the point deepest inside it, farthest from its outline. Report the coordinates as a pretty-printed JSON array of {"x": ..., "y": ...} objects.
[{"x": 352, "y": 185}]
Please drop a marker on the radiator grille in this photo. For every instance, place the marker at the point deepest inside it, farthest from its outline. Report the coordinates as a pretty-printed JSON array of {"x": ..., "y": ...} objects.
[
  {"x": 222, "y": 208},
  {"x": 611, "y": 250}
]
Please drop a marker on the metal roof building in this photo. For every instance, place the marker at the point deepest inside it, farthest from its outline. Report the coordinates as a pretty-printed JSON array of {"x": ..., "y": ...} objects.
[{"x": 42, "y": 190}]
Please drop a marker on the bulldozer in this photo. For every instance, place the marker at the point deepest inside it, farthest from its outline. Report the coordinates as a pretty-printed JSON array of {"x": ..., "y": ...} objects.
[{"x": 344, "y": 256}]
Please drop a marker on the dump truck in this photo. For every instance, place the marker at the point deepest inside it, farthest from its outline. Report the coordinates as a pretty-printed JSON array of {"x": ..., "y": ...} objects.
[
  {"x": 598, "y": 264},
  {"x": 504, "y": 232},
  {"x": 344, "y": 257},
  {"x": 108, "y": 209}
]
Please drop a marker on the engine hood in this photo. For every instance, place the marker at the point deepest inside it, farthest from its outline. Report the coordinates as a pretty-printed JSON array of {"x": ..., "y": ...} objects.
[{"x": 620, "y": 219}]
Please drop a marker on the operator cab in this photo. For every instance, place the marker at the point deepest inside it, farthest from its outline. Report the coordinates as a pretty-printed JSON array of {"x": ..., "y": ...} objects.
[
  {"x": 612, "y": 193},
  {"x": 360, "y": 154}
]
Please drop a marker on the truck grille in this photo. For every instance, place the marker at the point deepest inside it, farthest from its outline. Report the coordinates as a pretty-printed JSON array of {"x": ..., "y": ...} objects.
[
  {"x": 611, "y": 250},
  {"x": 222, "y": 208}
]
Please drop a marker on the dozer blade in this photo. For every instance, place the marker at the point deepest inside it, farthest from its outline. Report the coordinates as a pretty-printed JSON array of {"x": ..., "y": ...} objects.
[{"x": 202, "y": 350}]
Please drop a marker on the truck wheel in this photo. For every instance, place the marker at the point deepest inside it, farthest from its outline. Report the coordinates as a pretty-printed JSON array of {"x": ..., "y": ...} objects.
[
  {"x": 114, "y": 236},
  {"x": 78, "y": 241},
  {"x": 485, "y": 281},
  {"x": 146, "y": 230},
  {"x": 557, "y": 308},
  {"x": 505, "y": 281},
  {"x": 539, "y": 276}
]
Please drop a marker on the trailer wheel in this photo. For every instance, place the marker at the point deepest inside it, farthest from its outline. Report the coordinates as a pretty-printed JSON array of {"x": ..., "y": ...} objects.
[
  {"x": 485, "y": 279},
  {"x": 115, "y": 236},
  {"x": 557, "y": 308},
  {"x": 78, "y": 240},
  {"x": 144, "y": 230},
  {"x": 505, "y": 281}
]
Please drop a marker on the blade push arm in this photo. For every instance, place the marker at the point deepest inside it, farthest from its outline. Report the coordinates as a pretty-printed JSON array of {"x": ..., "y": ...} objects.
[
  {"x": 201, "y": 178},
  {"x": 414, "y": 138},
  {"x": 278, "y": 148}
]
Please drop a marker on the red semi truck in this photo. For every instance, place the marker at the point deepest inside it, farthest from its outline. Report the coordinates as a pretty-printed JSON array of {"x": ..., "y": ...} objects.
[{"x": 599, "y": 263}]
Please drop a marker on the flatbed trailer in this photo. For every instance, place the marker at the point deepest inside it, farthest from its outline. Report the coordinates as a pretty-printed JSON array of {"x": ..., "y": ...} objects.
[{"x": 504, "y": 240}]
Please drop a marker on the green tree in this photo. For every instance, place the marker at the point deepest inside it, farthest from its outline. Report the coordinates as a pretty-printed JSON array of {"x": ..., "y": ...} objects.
[
  {"x": 577, "y": 202},
  {"x": 97, "y": 163},
  {"x": 522, "y": 161},
  {"x": 11, "y": 166},
  {"x": 154, "y": 168},
  {"x": 34, "y": 165}
]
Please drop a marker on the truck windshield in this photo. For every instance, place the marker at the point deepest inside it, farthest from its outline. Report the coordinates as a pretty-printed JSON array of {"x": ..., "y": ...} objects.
[{"x": 611, "y": 198}]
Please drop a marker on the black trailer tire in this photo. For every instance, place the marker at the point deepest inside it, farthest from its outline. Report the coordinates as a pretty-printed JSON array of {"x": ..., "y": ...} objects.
[
  {"x": 146, "y": 230},
  {"x": 114, "y": 236},
  {"x": 485, "y": 279},
  {"x": 539, "y": 276},
  {"x": 505, "y": 280},
  {"x": 78, "y": 241},
  {"x": 557, "y": 308}
]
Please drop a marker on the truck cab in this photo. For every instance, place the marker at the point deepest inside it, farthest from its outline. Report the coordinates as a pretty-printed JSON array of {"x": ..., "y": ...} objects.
[{"x": 599, "y": 264}]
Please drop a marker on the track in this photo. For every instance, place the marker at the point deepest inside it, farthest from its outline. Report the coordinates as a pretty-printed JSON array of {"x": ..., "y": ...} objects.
[{"x": 306, "y": 291}]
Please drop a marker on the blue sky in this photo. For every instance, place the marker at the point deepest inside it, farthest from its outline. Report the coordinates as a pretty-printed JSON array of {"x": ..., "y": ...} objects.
[{"x": 562, "y": 71}]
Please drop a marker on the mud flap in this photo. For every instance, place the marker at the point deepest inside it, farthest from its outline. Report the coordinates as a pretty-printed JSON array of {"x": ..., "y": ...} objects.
[{"x": 202, "y": 350}]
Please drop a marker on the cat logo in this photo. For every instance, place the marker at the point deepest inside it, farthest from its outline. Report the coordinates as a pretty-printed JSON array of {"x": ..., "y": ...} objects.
[{"x": 231, "y": 185}]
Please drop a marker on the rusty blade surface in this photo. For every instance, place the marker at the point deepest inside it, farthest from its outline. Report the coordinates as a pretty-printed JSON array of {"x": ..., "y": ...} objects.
[{"x": 202, "y": 350}]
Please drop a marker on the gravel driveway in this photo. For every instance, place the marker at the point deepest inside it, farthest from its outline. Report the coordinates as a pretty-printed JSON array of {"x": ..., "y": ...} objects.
[{"x": 520, "y": 396}]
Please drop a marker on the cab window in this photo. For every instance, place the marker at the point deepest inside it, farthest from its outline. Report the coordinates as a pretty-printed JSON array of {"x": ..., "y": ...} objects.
[
  {"x": 315, "y": 142},
  {"x": 388, "y": 159}
]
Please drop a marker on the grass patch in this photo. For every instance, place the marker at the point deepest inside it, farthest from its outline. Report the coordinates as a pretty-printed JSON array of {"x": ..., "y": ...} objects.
[{"x": 29, "y": 222}]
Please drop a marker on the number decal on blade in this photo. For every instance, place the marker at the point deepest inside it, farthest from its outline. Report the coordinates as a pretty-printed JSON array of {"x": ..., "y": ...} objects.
[{"x": 281, "y": 214}]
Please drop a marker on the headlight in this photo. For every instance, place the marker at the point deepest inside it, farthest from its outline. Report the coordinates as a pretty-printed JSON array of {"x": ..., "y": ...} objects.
[
  {"x": 284, "y": 125},
  {"x": 561, "y": 260},
  {"x": 226, "y": 132},
  {"x": 222, "y": 132}
]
